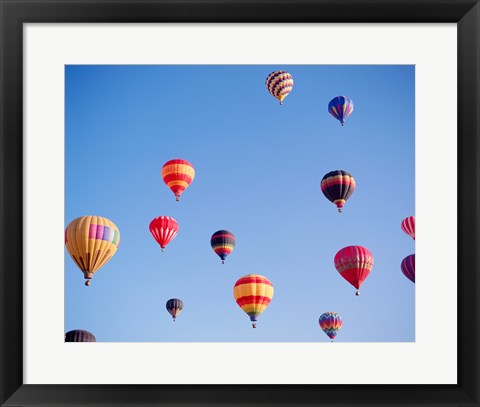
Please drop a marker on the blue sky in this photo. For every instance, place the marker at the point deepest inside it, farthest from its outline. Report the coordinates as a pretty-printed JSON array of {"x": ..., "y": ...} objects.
[{"x": 258, "y": 171}]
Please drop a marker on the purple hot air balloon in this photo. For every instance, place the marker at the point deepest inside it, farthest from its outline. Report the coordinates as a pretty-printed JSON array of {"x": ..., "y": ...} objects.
[{"x": 408, "y": 267}]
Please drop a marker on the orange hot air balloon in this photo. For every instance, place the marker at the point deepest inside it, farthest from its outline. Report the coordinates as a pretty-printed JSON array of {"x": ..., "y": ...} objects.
[
  {"x": 178, "y": 175},
  {"x": 91, "y": 241},
  {"x": 253, "y": 293},
  {"x": 354, "y": 264}
]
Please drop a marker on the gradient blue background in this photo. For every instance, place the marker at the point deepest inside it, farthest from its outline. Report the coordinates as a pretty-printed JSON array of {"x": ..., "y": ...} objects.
[{"x": 258, "y": 169}]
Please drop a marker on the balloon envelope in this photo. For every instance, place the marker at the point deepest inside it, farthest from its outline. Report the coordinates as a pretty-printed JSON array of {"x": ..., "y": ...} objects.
[
  {"x": 79, "y": 335},
  {"x": 174, "y": 306},
  {"x": 408, "y": 226},
  {"x": 354, "y": 264},
  {"x": 178, "y": 174},
  {"x": 91, "y": 242},
  {"x": 331, "y": 323},
  {"x": 338, "y": 186},
  {"x": 279, "y": 84},
  {"x": 253, "y": 293},
  {"x": 340, "y": 107},
  {"x": 163, "y": 229},
  {"x": 223, "y": 243},
  {"x": 408, "y": 267}
]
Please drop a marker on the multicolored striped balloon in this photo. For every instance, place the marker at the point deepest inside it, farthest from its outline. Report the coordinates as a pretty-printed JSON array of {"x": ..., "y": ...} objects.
[
  {"x": 222, "y": 242},
  {"x": 79, "y": 335},
  {"x": 91, "y": 241},
  {"x": 174, "y": 307},
  {"x": 163, "y": 229},
  {"x": 331, "y": 323},
  {"x": 279, "y": 84},
  {"x": 354, "y": 264},
  {"x": 338, "y": 186},
  {"x": 408, "y": 226},
  {"x": 341, "y": 107},
  {"x": 178, "y": 175},
  {"x": 253, "y": 293},
  {"x": 408, "y": 267}
]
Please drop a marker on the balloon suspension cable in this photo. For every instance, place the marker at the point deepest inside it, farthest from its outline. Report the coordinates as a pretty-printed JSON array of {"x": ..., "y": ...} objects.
[
  {"x": 254, "y": 325},
  {"x": 87, "y": 283},
  {"x": 357, "y": 293}
]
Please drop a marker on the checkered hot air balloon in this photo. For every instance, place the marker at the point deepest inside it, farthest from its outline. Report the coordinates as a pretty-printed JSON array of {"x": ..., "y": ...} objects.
[
  {"x": 178, "y": 175},
  {"x": 253, "y": 293},
  {"x": 354, "y": 264},
  {"x": 408, "y": 267},
  {"x": 174, "y": 307},
  {"x": 331, "y": 323},
  {"x": 408, "y": 226},
  {"x": 222, "y": 242},
  {"x": 79, "y": 335},
  {"x": 340, "y": 107},
  {"x": 163, "y": 229},
  {"x": 338, "y": 186},
  {"x": 91, "y": 242},
  {"x": 279, "y": 84}
]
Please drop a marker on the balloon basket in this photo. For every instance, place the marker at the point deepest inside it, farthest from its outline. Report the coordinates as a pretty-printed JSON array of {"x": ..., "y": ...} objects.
[{"x": 254, "y": 325}]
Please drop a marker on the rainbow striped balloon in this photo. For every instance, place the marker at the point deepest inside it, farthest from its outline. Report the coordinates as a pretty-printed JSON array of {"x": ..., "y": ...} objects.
[
  {"x": 338, "y": 186},
  {"x": 408, "y": 226},
  {"x": 279, "y": 84},
  {"x": 253, "y": 293},
  {"x": 408, "y": 267},
  {"x": 341, "y": 107},
  {"x": 222, "y": 242},
  {"x": 178, "y": 175},
  {"x": 331, "y": 323},
  {"x": 91, "y": 241}
]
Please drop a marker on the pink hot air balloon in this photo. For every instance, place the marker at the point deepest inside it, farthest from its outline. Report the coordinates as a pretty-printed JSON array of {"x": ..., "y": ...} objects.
[
  {"x": 354, "y": 264},
  {"x": 408, "y": 226},
  {"x": 408, "y": 267},
  {"x": 163, "y": 229}
]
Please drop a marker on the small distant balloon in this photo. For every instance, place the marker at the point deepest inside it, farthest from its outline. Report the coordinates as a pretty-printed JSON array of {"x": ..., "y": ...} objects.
[
  {"x": 178, "y": 175},
  {"x": 163, "y": 229},
  {"x": 174, "y": 307},
  {"x": 354, "y": 264},
  {"x": 408, "y": 267},
  {"x": 331, "y": 323},
  {"x": 91, "y": 242},
  {"x": 79, "y": 335},
  {"x": 279, "y": 84},
  {"x": 340, "y": 107},
  {"x": 253, "y": 293},
  {"x": 338, "y": 187},
  {"x": 408, "y": 226},
  {"x": 223, "y": 243}
]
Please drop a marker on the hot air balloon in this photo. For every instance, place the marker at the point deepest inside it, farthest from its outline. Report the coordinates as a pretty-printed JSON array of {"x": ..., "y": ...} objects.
[
  {"x": 163, "y": 229},
  {"x": 338, "y": 186},
  {"x": 408, "y": 226},
  {"x": 279, "y": 84},
  {"x": 341, "y": 107},
  {"x": 91, "y": 241},
  {"x": 178, "y": 175},
  {"x": 79, "y": 335},
  {"x": 354, "y": 264},
  {"x": 331, "y": 323},
  {"x": 222, "y": 243},
  {"x": 253, "y": 293},
  {"x": 174, "y": 306},
  {"x": 408, "y": 267}
]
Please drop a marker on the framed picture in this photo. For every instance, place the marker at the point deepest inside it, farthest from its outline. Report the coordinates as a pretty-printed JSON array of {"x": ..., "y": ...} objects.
[{"x": 415, "y": 65}]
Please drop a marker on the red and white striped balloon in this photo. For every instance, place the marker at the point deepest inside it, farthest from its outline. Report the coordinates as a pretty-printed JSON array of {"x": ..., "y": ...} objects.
[
  {"x": 163, "y": 229},
  {"x": 408, "y": 226}
]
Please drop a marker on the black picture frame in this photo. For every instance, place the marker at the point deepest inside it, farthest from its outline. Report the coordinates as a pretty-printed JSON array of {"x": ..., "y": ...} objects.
[{"x": 14, "y": 13}]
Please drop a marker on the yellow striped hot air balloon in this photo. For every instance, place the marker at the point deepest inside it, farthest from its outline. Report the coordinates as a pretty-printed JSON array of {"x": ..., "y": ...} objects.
[
  {"x": 253, "y": 293},
  {"x": 178, "y": 175},
  {"x": 91, "y": 241}
]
